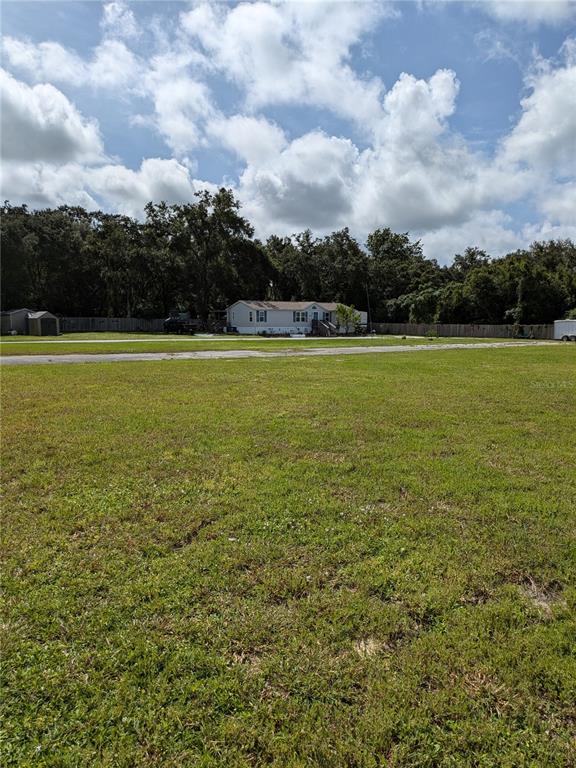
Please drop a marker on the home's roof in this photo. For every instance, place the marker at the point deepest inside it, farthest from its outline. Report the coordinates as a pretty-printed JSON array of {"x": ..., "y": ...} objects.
[{"x": 328, "y": 306}]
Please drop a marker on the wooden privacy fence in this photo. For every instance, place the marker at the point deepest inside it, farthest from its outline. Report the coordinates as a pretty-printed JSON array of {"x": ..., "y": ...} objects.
[
  {"x": 122, "y": 324},
  {"x": 470, "y": 331},
  {"x": 142, "y": 325}
]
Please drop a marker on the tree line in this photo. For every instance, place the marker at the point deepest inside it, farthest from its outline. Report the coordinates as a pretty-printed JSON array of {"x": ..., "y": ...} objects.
[{"x": 202, "y": 256}]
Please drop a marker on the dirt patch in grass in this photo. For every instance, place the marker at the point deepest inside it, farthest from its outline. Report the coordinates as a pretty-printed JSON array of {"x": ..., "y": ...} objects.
[{"x": 544, "y": 598}]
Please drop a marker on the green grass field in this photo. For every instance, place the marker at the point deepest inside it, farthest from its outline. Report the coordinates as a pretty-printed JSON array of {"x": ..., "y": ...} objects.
[
  {"x": 92, "y": 343},
  {"x": 345, "y": 562}
]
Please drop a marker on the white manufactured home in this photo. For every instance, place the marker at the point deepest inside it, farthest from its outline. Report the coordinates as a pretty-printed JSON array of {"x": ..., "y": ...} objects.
[{"x": 285, "y": 317}]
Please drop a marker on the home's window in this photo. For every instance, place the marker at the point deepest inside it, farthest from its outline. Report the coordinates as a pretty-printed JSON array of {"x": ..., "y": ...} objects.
[
  {"x": 300, "y": 317},
  {"x": 250, "y": 316},
  {"x": 326, "y": 316},
  {"x": 261, "y": 315}
]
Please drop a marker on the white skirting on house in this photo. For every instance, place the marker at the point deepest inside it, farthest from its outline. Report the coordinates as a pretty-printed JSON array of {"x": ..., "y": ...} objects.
[{"x": 273, "y": 330}]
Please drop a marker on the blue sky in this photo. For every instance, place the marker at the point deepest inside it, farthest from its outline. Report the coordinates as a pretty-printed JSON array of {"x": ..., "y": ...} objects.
[{"x": 453, "y": 121}]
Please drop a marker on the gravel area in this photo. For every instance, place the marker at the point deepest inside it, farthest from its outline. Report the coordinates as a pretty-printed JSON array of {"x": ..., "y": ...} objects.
[{"x": 128, "y": 357}]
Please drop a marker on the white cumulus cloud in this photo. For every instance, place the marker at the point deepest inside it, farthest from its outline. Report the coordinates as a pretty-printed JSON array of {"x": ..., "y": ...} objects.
[
  {"x": 545, "y": 135},
  {"x": 289, "y": 53},
  {"x": 113, "y": 65},
  {"x": 40, "y": 123},
  {"x": 113, "y": 187},
  {"x": 254, "y": 139},
  {"x": 417, "y": 175},
  {"x": 309, "y": 184},
  {"x": 218, "y": 75},
  {"x": 559, "y": 204},
  {"x": 530, "y": 11},
  {"x": 156, "y": 180},
  {"x": 118, "y": 20},
  {"x": 182, "y": 103},
  {"x": 490, "y": 230}
]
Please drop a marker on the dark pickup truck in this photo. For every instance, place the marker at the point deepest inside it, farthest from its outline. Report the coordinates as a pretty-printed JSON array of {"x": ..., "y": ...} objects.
[{"x": 180, "y": 323}]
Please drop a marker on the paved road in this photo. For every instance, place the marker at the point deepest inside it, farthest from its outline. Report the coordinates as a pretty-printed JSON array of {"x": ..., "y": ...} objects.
[{"x": 129, "y": 357}]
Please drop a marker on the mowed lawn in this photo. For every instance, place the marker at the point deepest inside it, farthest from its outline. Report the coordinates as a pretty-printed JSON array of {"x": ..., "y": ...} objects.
[
  {"x": 351, "y": 561},
  {"x": 105, "y": 343}
]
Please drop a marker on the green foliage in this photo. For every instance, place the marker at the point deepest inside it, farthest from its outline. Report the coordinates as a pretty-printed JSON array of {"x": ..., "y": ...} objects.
[
  {"x": 202, "y": 256},
  {"x": 397, "y": 270},
  {"x": 213, "y": 243},
  {"x": 454, "y": 304},
  {"x": 347, "y": 318},
  {"x": 421, "y": 306},
  {"x": 198, "y": 256}
]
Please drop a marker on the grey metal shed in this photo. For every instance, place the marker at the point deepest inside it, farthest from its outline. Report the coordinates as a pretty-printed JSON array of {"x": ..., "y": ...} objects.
[
  {"x": 14, "y": 321},
  {"x": 43, "y": 324}
]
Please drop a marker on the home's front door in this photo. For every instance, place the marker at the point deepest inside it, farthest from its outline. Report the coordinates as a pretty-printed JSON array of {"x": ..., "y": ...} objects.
[{"x": 315, "y": 315}]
